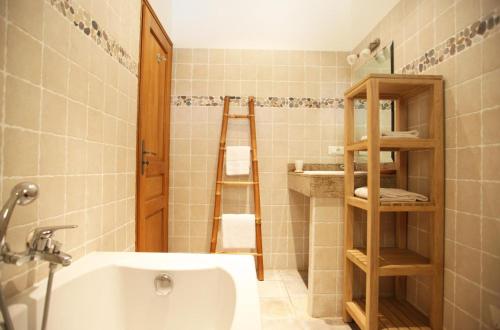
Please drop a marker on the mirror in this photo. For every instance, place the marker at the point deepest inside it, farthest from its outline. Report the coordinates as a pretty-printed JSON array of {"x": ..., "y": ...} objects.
[{"x": 381, "y": 61}]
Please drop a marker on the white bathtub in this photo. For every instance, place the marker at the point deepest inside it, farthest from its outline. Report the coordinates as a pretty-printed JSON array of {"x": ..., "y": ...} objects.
[{"x": 111, "y": 291}]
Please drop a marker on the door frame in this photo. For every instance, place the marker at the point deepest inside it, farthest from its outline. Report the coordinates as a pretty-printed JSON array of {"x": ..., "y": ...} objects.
[{"x": 145, "y": 3}]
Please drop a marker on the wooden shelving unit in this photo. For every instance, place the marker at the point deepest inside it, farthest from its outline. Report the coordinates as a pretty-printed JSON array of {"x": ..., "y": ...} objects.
[{"x": 373, "y": 312}]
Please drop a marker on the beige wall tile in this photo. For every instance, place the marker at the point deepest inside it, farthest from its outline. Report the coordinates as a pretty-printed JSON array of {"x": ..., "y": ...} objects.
[
  {"x": 200, "y": 55},
  {"x": 79, "y": 48},
  {"x": 466, "y": 103},
  {"x": 77, "y": 120},
  {"x": 469, "y": 130},
  {"x": 78, "y": 84},
  {"x": 28, "y": 15},
  {"x": 469, "y": 163},
  {"x": 469, "y": 196},
  {"x": 96, "y": 92},
  {"x": 50, "y": 204},
  {"x": 3, "y": 29},
  {"x": 52, "y": 155},
  {"x": 216, "y": 56},
  {"x": 491, "y": 159},
  {"x": 54, "y": 143},
  {"x": 53, "y": 113},
  {"x": 489, "y": 301},
  {"x": 491, "y": 133},
  {"x": 328, "y": 58},
  {"x": 200, "y": 71},
  {"x": 468, "y": 230},
  {"x": 491, "y": 49},
  {"x": 490, "y": 207},
  {"x": 77, "y": 155},
  {"x": 443, "y": 5},
  {"x": 20, "y": 152},
  {"x": 467, "y": 11},
  {"x": 445, "y": 24},
  {"x": 312, "y": 58},
  {"x": 22, "y": 107},
  {"x": 491, "y": 269},
  {"x": 56, "y": 30},
  {"x": 490, "y": 229},
  {"x": 55, "y": 72},
  {"x": 467, "y": 298},
  {"x": 24, "y": 55},
  {"x": 490, "y": 93},
  {"x": 232, "y": 56}
]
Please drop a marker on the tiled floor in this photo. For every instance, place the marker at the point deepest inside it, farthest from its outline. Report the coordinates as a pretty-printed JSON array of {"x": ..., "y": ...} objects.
[{"x": 283, "y": 301}]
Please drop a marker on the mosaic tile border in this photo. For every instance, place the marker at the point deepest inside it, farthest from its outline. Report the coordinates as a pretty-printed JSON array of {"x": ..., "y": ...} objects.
[
  {"x": 267, "y": 102},
  {"x": 82, "y": 20},
  {"x": 469, "y": 36},
  {"x": 272, "y": 102}
]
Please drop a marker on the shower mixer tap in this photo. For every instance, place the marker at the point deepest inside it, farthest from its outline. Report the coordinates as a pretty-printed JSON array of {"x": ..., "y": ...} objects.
[{"x": 40, "y": 245}]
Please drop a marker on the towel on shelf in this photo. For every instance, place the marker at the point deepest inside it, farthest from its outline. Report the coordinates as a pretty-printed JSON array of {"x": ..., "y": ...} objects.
[
  {"x": 238, "y": 160},
  {"x": 392, "y": 195},
  {"x": 413, "y": 134},
  {"x": 238, "y": 231}
]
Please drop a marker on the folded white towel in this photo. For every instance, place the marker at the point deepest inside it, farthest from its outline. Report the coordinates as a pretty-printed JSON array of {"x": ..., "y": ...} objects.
[
  {"x": 238, "y": 160},
  {"x": 413, "y": 134},
  {"x": 403, "y": 134},
  {"x": 238, "y": 231},
  {"x": 392, "y": 195}
]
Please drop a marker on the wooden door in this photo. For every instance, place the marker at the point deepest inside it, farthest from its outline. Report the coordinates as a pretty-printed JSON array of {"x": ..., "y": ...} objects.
[{"x": 153, "y": 135}]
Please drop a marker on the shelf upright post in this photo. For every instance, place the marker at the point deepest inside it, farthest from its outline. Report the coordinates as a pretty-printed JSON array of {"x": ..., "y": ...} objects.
[{"x": 373, "y": 214}]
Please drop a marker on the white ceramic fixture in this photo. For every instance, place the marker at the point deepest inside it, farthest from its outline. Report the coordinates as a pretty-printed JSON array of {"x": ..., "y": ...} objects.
[{"x": 147, "y": 291}]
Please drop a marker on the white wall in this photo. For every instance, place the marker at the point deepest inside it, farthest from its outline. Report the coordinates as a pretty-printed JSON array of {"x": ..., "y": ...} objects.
[
  {"x": 335, "y": 25},
  {"x": 163, "y": 9}
]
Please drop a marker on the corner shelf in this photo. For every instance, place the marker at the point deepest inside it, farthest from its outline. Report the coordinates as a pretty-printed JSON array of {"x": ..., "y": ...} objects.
[
  {"x": 393, "y": 314},
  {"x": 395, "y": 144},
  {"x": 393, "y": 262},
  {"x": 373, "y": 312},
  {"x": 362, "y": 203}
]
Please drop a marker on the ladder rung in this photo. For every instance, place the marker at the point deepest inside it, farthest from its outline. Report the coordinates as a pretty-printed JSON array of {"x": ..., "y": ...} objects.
[
  {"x": 258, "y": 221},
  {"x": 224, "y": 148},
  {"x": 239, "y": 116},
  {"x": 237, "y": 183}
]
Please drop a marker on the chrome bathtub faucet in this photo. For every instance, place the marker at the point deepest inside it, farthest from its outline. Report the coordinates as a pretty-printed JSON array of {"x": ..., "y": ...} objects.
[{"x": 40, "y": 245}]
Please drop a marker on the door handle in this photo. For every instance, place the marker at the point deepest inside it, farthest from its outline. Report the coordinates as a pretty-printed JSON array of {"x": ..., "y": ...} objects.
[
  {"x": 160, "y": 58},
  {"x": 144, "y": 152}
]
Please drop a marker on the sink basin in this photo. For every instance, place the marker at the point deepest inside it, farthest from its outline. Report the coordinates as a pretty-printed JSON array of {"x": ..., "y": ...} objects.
[{"x": 324, "y": 172}]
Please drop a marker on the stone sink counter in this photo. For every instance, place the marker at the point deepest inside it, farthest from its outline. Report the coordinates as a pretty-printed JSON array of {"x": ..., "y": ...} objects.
[
  {"x": 321, "y": 185},
  {"x": 326, "y": 221}
]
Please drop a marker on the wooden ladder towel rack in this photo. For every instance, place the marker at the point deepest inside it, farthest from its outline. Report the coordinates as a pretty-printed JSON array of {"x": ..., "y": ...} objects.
[{"x": 254, "y": 183}]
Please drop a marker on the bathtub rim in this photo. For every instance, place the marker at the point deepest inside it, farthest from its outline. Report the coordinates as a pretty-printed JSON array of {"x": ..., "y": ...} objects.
[{"x": 241, "y": 269}]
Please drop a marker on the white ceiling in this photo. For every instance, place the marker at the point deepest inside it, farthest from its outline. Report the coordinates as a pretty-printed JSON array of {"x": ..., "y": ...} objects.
[{"x": 270, "y": 24}]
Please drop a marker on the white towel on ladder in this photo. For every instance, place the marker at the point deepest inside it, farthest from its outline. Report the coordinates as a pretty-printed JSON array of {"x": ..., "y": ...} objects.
[
  {"x": 238, "y": 231},
  {"x": 238, "y": 160}
]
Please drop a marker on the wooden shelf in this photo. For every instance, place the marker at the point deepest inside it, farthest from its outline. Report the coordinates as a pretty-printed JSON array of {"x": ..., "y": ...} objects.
[
  {"x": 395, "y": 144},
  {"x": 362, "y": 203},
  {"x": 398, "y": 262},
  {"x": 393, "y": 315},
  {"x": 393, "y": 262},
  {"x": 393, "y": 86}
]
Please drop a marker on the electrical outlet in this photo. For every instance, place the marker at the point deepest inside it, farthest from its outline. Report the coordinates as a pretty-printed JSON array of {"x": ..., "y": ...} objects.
[{"x": 336, "y": 150}]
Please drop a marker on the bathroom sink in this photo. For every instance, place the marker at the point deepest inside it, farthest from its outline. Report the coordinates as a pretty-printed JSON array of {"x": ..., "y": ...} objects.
[{"x": 324, "y": 172}]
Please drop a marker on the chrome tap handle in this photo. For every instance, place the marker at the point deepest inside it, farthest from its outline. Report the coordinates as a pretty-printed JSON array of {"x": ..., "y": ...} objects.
[{"x": 40, "y": 239}]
